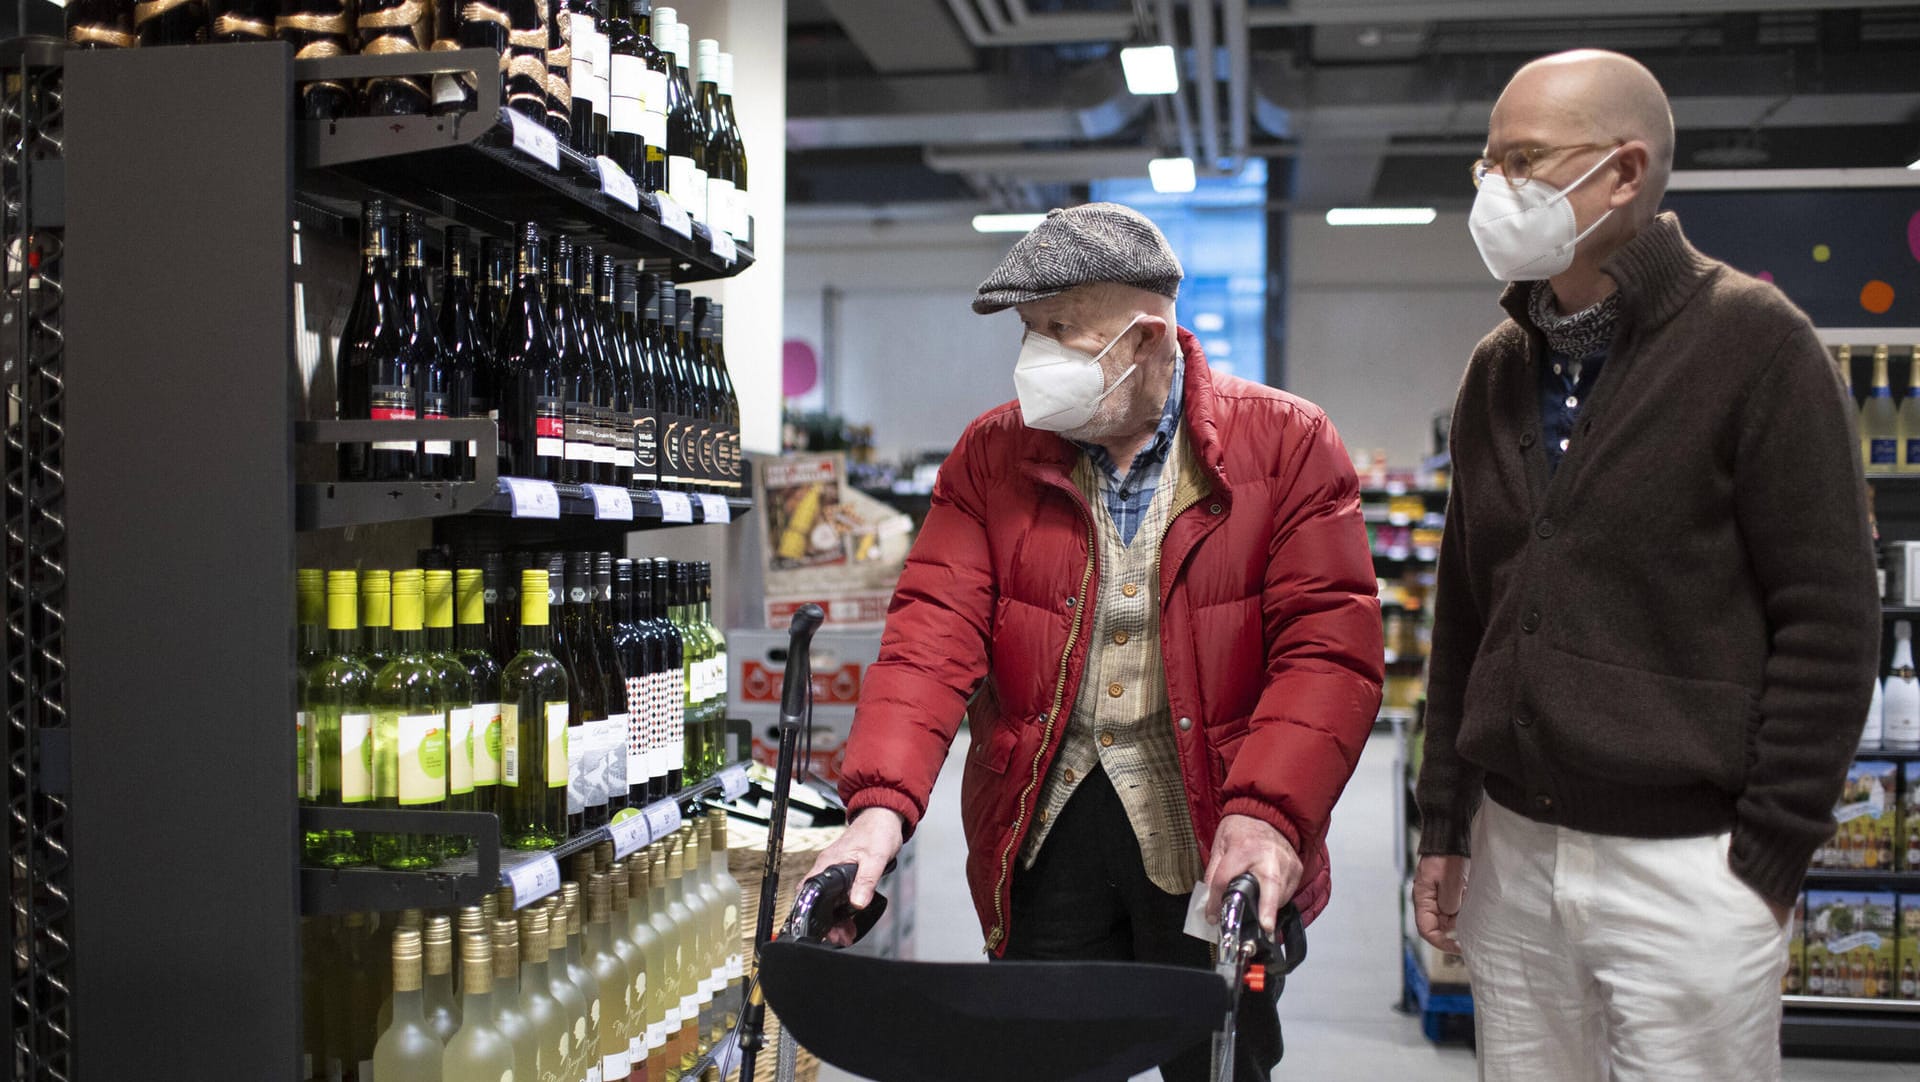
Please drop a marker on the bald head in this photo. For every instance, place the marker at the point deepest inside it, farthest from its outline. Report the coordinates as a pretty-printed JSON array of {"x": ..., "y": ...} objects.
[{"x": 1591, "y": 95}]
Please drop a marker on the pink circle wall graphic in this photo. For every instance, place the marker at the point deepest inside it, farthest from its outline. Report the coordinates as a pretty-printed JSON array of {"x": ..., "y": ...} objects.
[{"x": 799, "y": 368}]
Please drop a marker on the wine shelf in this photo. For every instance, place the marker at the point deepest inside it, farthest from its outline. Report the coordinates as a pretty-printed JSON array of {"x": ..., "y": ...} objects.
[
  {"x": 463, "y": 880},
  {"x": 1895, "y": 755},
  {"x": 1847, "y": 1003},
  {"x": 464, "y": 167},
  {"x": 1848, "y": 879}
]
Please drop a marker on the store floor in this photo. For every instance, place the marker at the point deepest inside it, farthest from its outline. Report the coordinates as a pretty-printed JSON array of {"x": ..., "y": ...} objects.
[{"x": 1338, "y": 1010}]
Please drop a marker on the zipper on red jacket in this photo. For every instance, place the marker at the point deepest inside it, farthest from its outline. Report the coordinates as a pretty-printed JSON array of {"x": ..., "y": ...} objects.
[{"x": 999, "y": 931}]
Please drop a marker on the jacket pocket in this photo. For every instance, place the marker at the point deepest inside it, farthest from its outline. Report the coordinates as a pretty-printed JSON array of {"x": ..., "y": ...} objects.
[
  {"x": 1643, "y": 728},
  {"x": 993, "y": 753},
  {"x": 1223, "y": 746}
]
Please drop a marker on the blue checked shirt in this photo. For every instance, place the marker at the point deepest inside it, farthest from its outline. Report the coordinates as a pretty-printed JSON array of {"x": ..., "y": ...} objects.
[
  {"x": 1565, "y": 385},
  {"x": 1128, "y": 497}
]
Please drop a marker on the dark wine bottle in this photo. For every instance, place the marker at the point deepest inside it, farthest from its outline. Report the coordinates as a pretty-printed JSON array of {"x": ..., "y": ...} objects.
[
  {"x": 433, "y": 385},
  {"x": 593, "y": 344},
  {"x": 629, "y": 647},
  {"x": 645, "y": 409},
  {"x": 733, "y": 461},
  {"x": 464, "y": 349},
  {"x": 241, "y": 21},
  {"x": 712, "y": 420},
  {"x": 100, "y": 24},
  {"x": 653, "y": 681},
  {"x": 492, "y": 289},
  {"x": 527, "y": 41},
  {"x": 719, "y": 149},
  {"x": 376, "y": 379},
  {"x": 626, "y": 143},
  {"x": 740, "y": 216},
  {"x": 686, "y": 141},
  {"x": 653, "y": 98},
  {"x": 532, "y": 416},
  {"x": 576, "y": 368},
  {"x": 394, "y": 28},
  {"x": 533, "y": 729},
  {"x": 588, "y": 703},
  {"x": 613, "y": 679},
  {"x": 700, "y": 402},
  {"x": 318, "y": 29},
  {"x": 450, "y": 92},
  {"x": 171, "y": 22},
  {"x": 589, "y": 75},
  {"x": 672, "y": 722},
  {"x": 676, "y": 397},
  {"x": 559, "y": 71},
  {"x": 620, "y": 358}
]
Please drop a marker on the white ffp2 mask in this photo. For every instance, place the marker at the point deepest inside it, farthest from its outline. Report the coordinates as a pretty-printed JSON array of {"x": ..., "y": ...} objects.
[
  {"x": 1060, "y": 387},
  {"x": 1528, "y": 233}
]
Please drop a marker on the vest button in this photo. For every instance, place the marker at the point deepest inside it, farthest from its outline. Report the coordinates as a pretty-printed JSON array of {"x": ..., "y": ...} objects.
[
  {"x": 1130, "y": 590},
  {"x": 1523, "y": 721},
  {"x": 1186, "y": 724},
  {"x": 1067, "y": 775},
  {"x": 1106, "y": 740},
  {"x": 1120, "y": 638},
  {"x": 1115, "y": 690},
  {"x": 1069, "y": 602},
  {"x": 1526, "y": 440}
]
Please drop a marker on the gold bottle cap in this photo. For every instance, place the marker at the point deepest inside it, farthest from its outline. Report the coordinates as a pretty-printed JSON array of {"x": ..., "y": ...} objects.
[
  {"x": 582, "y": 867},
  {"x": 534, "y": 935},
  {"x": 412, "y": 918},
  {"x": 437, "y": 942},
  {"x": 557, "y": 927},
  {"x": 639, "y": 875},
  {"x": 694, "y": 848},
  {"x": 576, "y": 908},
  {"x": 618, "y": 879},
  {"x": 356, "y": 920},
  {"x": 473, "y": 920},
  {"x": 599, "y": 899},
  {"x": 489, "y": 907},
  {"x": 676, "y": 864},
  {"x": 406, "y": 960},
  {"x": 503, "y": 902},
  {"x": 602, "y": 856},
  {"x": 506, "y": 947},
  {"x": 476, "y": 965}
]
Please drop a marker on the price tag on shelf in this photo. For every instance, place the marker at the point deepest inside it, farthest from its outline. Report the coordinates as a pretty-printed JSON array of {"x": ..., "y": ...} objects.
[
  {"x": 610, "y": 502},
  {"x": 615, "y": 182},
  {"x": 733, "y": 782},
  {"x": 722, "y": 243},
  {"x": 531, "y": 498},
  {"x": 715, "y": 508},
  {"x": 675, "y": 507},
  {"x": 532, "y": 138},
  {"x": 630, "y": 835},
  {"x": 534, "y": 879},
  {"x": 674, "y": 216},
  {"x": 663, "y": 818}
]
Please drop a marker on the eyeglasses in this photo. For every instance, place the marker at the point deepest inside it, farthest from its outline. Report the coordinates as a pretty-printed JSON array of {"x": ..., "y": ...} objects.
[{"x": 1517, "y": 165}]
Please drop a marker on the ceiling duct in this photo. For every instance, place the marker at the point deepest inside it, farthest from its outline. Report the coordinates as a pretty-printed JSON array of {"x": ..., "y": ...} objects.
[{"x": 986, "y": 27}]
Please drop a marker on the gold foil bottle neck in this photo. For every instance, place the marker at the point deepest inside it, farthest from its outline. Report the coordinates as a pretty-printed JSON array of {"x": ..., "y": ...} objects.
[
  {"x": 506, "y": 947},
  {"x": 617, "y": 879},
  {"x": 557, "y": 927},
  {"x": 473, "y": 920},
  {"x": 412, "y": 918},
  {"x": 535, "y": 927},
  {"x": 406, "y": 960},
  {"x": 437, "y": 944},
  {"x": 599, "y": 898},
  {"x": 576, "y": 916},
  {"x": 476, "y": 965},
  {"x": 676, "y": 864}
]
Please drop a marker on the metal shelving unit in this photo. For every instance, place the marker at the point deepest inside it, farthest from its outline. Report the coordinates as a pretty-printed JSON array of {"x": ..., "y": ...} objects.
[{"x": 154, "y": 466}]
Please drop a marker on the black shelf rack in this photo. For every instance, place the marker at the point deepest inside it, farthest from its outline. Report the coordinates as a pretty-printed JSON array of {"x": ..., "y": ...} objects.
[
  {"x": 1852, "y": 879},
  {"x": 460, "y": 881}
]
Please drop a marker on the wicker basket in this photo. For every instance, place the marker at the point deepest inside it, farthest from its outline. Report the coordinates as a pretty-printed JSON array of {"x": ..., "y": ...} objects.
[{"x": 747, "y": 859}]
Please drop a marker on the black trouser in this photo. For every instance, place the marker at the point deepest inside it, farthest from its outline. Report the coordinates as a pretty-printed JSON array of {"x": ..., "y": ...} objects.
[{"x": 1088, "y": 898}]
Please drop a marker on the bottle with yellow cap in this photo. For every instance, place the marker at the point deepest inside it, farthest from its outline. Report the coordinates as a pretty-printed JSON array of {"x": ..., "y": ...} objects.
[
  {"x": 310, "y": 614},
  {"x": 551, "y": 1022},
  {"x": 510, "y": 1015},
  {"x": 533, "y": 729},
  {"x": 376, "y": 618},
  {"x": 478, "y": 1052},
  {"x": 409, "y": 732},
  {"x": 611, "y": 973},
  {"x": 407, "y": 1051},
  {"x": 475, "y": 651},
  {"x": 336, "y": 703},
  {"x": 456, "y": 689}
]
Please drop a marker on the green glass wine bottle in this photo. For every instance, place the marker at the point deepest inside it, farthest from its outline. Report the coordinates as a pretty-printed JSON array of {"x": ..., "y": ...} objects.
[
  {"x": 407, "y": 1051},
  {"x": 533, "y": 729},
  {"x": 456, "y": 689},
  {"x": 310, "y": 596},
  {"x": 376, "y": 619},
  {"x": 409, "y": 732},
  {"x": 479, "y": 1051},
  {"x": 336, "y": 696},
  {"x": 510, "y": 1015},
  {"x": 483, "y": 673}
]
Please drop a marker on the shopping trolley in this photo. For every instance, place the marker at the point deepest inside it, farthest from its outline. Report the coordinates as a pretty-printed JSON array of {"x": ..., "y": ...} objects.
[{"x": 898, "y": 1021}]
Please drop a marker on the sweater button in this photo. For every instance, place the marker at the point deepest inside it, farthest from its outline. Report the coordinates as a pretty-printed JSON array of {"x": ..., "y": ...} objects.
[
  {"x": 1130, "y": 590},
  {"x": 1186, "y": 724},
  {"x": 1543, "y": 802},
  {"x": 1546, "y": 528},
  {"x": 1523, "y": 721},
  {"x": 1530, "y": 623},
  {"x": 1526, "y": 440}
]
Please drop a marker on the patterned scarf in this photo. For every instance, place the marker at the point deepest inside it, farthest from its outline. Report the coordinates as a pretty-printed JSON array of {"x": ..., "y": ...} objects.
[{"x": 1581, "y": 334}]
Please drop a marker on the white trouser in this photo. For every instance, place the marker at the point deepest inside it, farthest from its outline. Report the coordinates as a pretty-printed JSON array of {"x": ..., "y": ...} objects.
[{"x": 1599, "y": 958}]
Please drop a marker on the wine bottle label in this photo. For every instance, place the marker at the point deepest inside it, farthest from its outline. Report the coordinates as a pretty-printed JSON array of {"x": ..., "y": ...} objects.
[
  {"x": 422, "y": 747},
  {"x": 741, "y": 218},
  {"x": 697, "y": 186},
  {"x": 606, "y": 436},
  {"x": 584, "y": 58},
  {"x": 646, "y": 447},
  {"x": 669, "y": 427},
  {"x": 594, "y": 1072},
  {"x": 709, "y": 452},
  {"x": 637, "y": 1047},
  {"x": 557, "y": 745},
  {"x": 1883, "y": 452},
  {"x": 304, "y": 776},
  {"x": 656, "y": 1035},
  {"x": 736, "y": 964},
  {"x": 356, "y": 758},
  {"x": 433, "y": 407},
  {"x": 653, "y": 129},
  {"x": 677, "y": 745},
  {"x": 510, "y": 744},
  {"x": 681, "y": 177},
  {"x": 486, "y": 744},
  {"x": 690, "y": 467},
  {"x": 390, "y": 403},
  {"x": 549, "y": 427},
  {"x": 623, "y": 438},
  {"x": 720, "y": 204},
  {"x": 615, "y": 1067},
  {"x": 628, "y": 91},
  {"x": 579, "y": 431},
  {"x": 460, "y": 750}
]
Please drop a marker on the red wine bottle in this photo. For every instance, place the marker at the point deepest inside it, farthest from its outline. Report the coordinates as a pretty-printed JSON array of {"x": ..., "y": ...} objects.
[
  {"x": 594, "y": 341},
  {"x": 376, "y": 380},
  {"x": 629, "y": 288},
  {"x": 532, "y": 416},
  {"x": 620, "y": 358},
  {"x": 576, "y": 369},
  {"x": 465, "y": 349},
  {"x": 433, "y": 381}
]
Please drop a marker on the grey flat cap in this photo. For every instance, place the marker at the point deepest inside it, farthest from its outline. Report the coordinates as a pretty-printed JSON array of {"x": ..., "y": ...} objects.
[{"x": 1094, "y": 242}]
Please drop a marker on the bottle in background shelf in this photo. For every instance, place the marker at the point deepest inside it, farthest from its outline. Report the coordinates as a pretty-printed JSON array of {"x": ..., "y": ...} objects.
[
  {"x": 527, "y": 39},
  {"x": 617, "y": 383},
  {"x": 644, "y": 468},
  {"x": 613, "y": 684},
  {"x": 408, "y": 1051},
  {"x": 532, "y": 413},
  {"x": 678, "y": 649},
  {"x": 1874, "y": 731},
  {"x": 629, "y": 648},
  {"x": 675, "y": 399},
  {"x": 560, "y": 116},
  {"x": 409, "y": 731},
  {"x": 587, "y": 797},
  {"x": 533, "y": 728},
  {"x": 720, "y": 150},
  {"x": 698, "y": 403},
  {"x": 318, "y": 29},
  {"x": 310, "y": 612},
  {"x": 478, "y": 1051},
  {"x": 593, "y": 345},
  {"x": 572, "y": 985},
  {"x": 589, "y": 75},
  {"x": 510, "y": 1015},
  {"x": 733, "y": 905},
  {"x": 550, "y": 1020},
  {"x": 626, "y": 111},
  {"x": 1880, "y": 420},
  {"x": 442, "y": 1005},
  {"x": 100, "y": 24},
  {"x": 1910, "y": 416},
  {"x": 464, "y": 349},
  {"x": 685, "y": 142},
  {"x": 376, "y": 378},
  {"x": 1902, "y": 693},
  {"x": 434, "y": 383},
  {"x": 740, "y": 213},
  {"x": 394, "y": 28},
  {"x": 719, "y": 673},
  {"x": 576, "y": 367},
  {"x": 475, "y": 654},
  {"x": 237, "y": 22},
  {"x": 336, "y": 696},
  {"x": 171, "y": 22},
  {"x": 456, "y": 690},
  {"x": 613, "y": 977},
  {"x": 468, "y": 25},
  {"x": 733, "y": 464},
  {"x": 713, "y": 422},
  {"x": 376, "y": 619}
]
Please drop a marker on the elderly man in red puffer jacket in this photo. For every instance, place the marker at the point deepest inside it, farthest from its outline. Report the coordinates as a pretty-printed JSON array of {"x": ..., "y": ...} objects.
[{"x": 1149, "y": 589}]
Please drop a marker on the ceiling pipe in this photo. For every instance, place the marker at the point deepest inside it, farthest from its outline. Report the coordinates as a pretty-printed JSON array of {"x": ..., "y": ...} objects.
[
  {"x": 986, "y": 27},
  {"x": 1205, "y": 82},
  {"x": 1234, "y": 29},
  {"x": 1309, "y": 12},
  {"x": 1182, "y": 114}
]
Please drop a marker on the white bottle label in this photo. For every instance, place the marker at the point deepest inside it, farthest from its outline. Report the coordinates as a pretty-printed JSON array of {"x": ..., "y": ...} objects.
[
  {"x": 698, "y": 188},
  {"x": 742, "y": 215},
  {"x": 720, "y": 204},
  {"x": 653, "y": 95},
  {"x": 510, "y": 744},
  {"x": 580, "y": 76},
  {"x": 487, "y": 738},
  {"x": 653, "y": 128},
  {"x": 681, "y": 176},
  {"x": 614, "y": 1067},
  {"x": 627, "y": 107}
]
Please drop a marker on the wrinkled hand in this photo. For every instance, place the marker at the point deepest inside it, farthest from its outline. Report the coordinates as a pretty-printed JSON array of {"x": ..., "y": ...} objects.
[
  {"x": 872, "y": 840},
  {"x": 1439, "y": 885},
  {"x": 1244, "y": 844}
]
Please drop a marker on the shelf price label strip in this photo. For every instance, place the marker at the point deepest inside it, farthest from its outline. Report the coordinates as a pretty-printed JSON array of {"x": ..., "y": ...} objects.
[
  {"x": 674, "y": 216},
  {"x": 611, "y": 502},
  {"x": 733, "y": 782},
  {"x": 722, "y": 244},
  {"x": 533, "y": 499},
  {"x": 533, "y": 879},
  {"x": 675, "y": 507},
  {"x": 615, "y": 182},
  {"x": 532, "y": 138},
  {"x": 715, "y": 508}
]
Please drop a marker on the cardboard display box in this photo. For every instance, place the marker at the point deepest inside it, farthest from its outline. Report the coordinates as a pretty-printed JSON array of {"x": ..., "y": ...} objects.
[
  {"x": 1910, "y": 818},
  {"x": 840, "y": 660},
  {"x": 1869, "y": 820},
  {"x": 1795, "y": 981},
  {"x": 1908, "y": 949},
  {"x": 826, "y": 542},
  {"x": 1850, "y": 944}
]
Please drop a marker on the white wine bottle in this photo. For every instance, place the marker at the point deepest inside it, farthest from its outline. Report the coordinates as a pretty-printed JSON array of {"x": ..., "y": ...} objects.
[
  {"x": 408, "y": 1051},
  {"x": 1880, "y": 420},
  {"x": 456, "y": 689},
  {"x": 620, "y": 932},
  {"x": 443, "y": 1006},
  {"x": 710, "y": 913},
  {"x": 611, "y": 974},
  {"x": 574, "y": 1005},
  {"x": 1901, "y": 729},
  {"x": 550, "y": 1020},
  {"x": 1874, "y": 731},
  {"x": 681, "y": 1040},
  {"x": 509, "y": 1013},
  {"x": 569, "y": 927},
  {"x": 733, "y": 899},
  {"x": 478, "y": 1052},
  {"x": 647, "y": 890},
  {"x": 409, "y": 731},
  {"x": 1910, "y": 418}
]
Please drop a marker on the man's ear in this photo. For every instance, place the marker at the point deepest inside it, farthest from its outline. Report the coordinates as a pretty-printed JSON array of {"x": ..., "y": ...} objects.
[{"x": 1154, "y": 332}]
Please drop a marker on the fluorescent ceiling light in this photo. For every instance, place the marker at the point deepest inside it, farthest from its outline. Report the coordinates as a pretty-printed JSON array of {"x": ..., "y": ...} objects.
[
  {"x": 1150, "y": 69},
  {"x": 1381, "y": 216},
  {"x": 1171, "y": 174},
  {"x": 1006, "y": 223}
]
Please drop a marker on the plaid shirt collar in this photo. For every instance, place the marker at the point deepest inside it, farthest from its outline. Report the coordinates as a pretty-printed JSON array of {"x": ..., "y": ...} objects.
[{"x": 1128, "y": 496}]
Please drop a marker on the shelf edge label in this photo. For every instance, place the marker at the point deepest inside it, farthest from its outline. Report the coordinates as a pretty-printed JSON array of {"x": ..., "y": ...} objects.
[
  {"x": 533, "y": 880},
  {"x": 715, "y": 508},
  {"x": 532, "y": 498},
  {"x": 674, "y": 216},
  {"x": 611, "y": 502},
  {"x": 722, "y": 243},
  {"x": 532, "y": 138},
  {"x": 663, "y": 818},
  {"x": 615, "y": 182},
  {"x": 630, "y": 835},
  {"x": 675, "y": 507},
  {"x": 733, "y": 782}
]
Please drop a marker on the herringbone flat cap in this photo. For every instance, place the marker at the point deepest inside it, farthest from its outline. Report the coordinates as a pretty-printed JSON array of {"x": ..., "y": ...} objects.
[{"x": 1093, "y": 242}]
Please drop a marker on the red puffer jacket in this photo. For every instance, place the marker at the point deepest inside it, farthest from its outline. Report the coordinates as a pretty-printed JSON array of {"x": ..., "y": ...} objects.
[{"x": 1270, "y": 623}]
